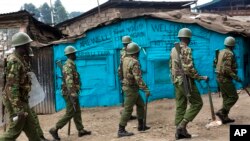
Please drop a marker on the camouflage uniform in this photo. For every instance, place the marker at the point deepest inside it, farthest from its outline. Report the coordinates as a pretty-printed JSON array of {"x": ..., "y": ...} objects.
[
  {"x": 181, "y": 100},
  {"x": 226, "y": 69},
  {"x": 18, "y": 85},
  {"x": 72, "y": 79},
  {"x": 132, "y": 82}
]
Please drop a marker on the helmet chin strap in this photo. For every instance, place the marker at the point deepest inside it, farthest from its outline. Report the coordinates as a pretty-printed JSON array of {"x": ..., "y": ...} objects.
[
  {"x": 71, "y": 56},
  {"x": 230, "y": 47}
]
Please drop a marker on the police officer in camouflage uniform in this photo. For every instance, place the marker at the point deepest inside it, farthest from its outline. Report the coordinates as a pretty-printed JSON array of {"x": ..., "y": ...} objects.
[
  {"x": 72, "y": 79},
  {"x": 125, "y": 41},
  {"x": 131, "y": 83},
  {"x": 184, "y": 115},
  {"x": 18, "y": 85},
  {"x": 226, "y": 69}
]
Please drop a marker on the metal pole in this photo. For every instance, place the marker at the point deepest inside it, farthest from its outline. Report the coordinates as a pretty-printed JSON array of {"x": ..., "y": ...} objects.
[
  {"x": 52, "y": 14},
  {"x": 4, "y": 83},
  {"x": 145, "y": 114},
  {"x": 99, "y": 10},
  {"x": 210, "y": 102}
]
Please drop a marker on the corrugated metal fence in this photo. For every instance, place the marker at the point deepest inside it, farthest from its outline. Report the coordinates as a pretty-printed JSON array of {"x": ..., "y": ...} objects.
[{"x": 42, "y": 65}]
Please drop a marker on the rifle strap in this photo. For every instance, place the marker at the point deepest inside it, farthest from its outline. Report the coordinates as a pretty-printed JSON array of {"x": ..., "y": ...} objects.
[{"x": 176, "y": 71}]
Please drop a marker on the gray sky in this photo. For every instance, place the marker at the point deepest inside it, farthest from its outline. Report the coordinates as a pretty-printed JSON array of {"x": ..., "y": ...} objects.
[{"x": 7, "y": 6}]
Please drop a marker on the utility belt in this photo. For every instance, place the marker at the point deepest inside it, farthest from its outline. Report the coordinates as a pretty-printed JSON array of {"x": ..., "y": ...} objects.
[
  {"x": 178, "y": 73},
  {"x": 130, "y": 85}
]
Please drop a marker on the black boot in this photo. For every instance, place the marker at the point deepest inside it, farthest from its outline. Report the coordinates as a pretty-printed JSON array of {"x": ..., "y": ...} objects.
[
  {"x": 83, "y": 132},
  {"x": 141, "y": 126},
  {"x": 54, "y": 133},
  {"x": 221, "y": 116},
  {"x": 228, "y": 120},
  {"x": 42, "y": 138},
  {"x": 122, "y": 132},
  {"x": 181, "y": 131}
]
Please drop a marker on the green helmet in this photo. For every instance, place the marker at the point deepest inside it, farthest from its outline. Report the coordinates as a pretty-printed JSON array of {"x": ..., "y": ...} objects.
[
  {"x": 185, "y": 32},
  {"x": 20, "y": 38},
  {"x": 126, "y": 39},
  {"x": 132, "y": 48},
  {"x": 69, "y": 50},
  {"x": 229, "y": 41}
]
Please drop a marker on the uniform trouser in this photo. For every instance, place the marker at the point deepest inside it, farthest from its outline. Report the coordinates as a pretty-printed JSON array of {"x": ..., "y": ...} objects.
[
  {"x": 37, "y": 124},
  {"x": 70, "y": 113},
  {"x": 229, "y": 96},
  {"x": 124, "y": 96},
  {"x": 26, "y": 124},
  {"x": 132, "y": 98},
  {"x": 182, "y": 101}
]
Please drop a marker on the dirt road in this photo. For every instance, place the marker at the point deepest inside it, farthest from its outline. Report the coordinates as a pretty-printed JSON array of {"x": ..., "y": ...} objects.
[{"x": 103, "y": 122}]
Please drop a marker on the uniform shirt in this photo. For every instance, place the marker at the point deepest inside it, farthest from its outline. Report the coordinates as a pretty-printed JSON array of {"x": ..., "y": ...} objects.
[
  {"x": 132, "y": 74},
  {"x": 71, "y": 77},
  {"x": 187, "y": 64},
  {"x": 18, "y": 82},
  {"x": 226, "y": 66}
]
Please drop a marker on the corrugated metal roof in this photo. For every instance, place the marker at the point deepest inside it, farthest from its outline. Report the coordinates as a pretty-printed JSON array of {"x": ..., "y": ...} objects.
[
  {"x": 207, "y": 4},
  {"x": 132, "y": 4},
  {"x": 36, "y": 29},
  {"x": 214, "y": 22},
  {"x": 16, "y": 12},
  {"x": 223, "y": 3}
]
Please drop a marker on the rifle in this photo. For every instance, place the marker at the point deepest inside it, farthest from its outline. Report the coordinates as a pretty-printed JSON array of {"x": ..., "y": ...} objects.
[
  {"x": 121, "y": 74},
  {"x": 121, "y": 77},
  {"x": 122, "y": 93},
  {"x": 217, "y": 51},
  {"x": 59, "y": 63},
  {"x": 185, "y": 79},
  {"x": 145, "y": 114}
]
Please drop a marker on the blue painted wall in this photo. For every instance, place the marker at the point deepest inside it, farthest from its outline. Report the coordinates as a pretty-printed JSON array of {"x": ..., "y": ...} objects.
[{"x": 98, "y": 58}]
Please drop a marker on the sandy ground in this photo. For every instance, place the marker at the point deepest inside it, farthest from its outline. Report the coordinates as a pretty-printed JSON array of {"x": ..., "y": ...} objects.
[{"x": 103, "y": 122}]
